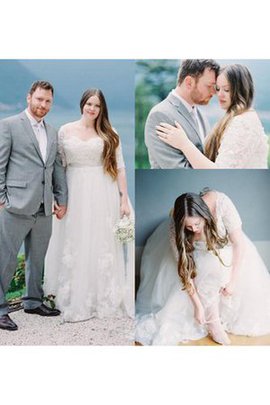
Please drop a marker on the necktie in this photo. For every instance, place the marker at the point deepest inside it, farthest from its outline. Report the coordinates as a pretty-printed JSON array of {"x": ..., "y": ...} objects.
[
  {"x": 42, "y": 141},
  {"x": 194, "y": 116},
  {"x": 199, "y": 128}
]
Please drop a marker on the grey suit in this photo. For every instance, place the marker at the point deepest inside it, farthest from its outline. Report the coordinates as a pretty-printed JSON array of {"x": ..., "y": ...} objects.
[
  {"x": 161, "y": 155},
  {"x": 27, "y": 186}
]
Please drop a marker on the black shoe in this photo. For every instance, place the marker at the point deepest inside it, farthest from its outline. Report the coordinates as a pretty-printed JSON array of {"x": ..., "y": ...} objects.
[
  {"x": 7, "y": 323},
  {"x": 43, "y": 310}
]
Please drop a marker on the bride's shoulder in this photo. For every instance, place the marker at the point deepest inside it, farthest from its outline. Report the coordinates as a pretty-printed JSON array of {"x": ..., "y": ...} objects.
[
  {"x": 210, "y": 197},
  {"x": 214, "y": 199},
  {"x": 245, "y": 118},
  {"x": 223, "y": 202},
  {"x": 69, "y": 125},
  {"x": 68, "y": 128}
]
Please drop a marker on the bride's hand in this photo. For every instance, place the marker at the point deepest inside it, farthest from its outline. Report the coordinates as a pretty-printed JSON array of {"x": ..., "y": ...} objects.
[
  {"x": 228, "y": 289},
  {"x": 124, "y": 209},
  {"x": 199, "y": 315},
  {"x": 173, "y": 136}
]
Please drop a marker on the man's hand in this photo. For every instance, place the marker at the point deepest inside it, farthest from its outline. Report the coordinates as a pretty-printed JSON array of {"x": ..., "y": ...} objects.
[{"x": 59, "y": 210}]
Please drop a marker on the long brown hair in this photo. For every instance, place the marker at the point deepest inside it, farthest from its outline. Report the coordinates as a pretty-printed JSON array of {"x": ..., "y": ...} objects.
[
  {"x": 242, "y": 92},
  {"x": 192, "y": 205},
  {"x": 105, "y": 131}
]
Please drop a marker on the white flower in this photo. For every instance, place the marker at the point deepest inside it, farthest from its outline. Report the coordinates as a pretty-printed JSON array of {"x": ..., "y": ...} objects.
[{"x": 124, "y": 231}]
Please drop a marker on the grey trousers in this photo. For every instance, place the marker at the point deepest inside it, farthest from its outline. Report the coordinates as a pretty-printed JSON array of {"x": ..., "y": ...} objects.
[{"x": 35, "y": 230}]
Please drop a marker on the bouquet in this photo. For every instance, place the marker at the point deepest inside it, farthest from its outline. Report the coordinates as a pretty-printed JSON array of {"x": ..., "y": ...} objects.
[{"x": 124, "y": 230}]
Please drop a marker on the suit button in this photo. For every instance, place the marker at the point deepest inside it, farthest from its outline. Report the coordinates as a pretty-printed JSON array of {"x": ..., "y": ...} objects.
[{"x": 43, "y": 182}]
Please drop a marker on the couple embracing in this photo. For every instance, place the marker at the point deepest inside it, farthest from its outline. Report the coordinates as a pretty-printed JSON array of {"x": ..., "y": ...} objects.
[
  {"x": 80, "y": 175},
  {"x": 177, "y": 134}
]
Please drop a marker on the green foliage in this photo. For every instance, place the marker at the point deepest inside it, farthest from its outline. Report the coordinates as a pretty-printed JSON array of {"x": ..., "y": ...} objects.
[
  {"x": 18, "y": 281},
  {"x": 10, "y": 296},
  {"x": 49, "y": 299},
  {"x": 154, "y": 80},
  {"x": 17, "y": 286}
]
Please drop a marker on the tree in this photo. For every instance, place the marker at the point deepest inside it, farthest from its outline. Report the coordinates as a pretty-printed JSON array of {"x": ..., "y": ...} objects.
[{"x": 154, "y": 80}]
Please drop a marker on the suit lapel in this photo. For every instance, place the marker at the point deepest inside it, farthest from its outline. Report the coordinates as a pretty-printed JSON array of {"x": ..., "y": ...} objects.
[
  {"x": 185, "y": 113},
  {"x": 49, "y": 140},
  {"x": 202, "y": 122},
  {"x": 29, "y": 132}
]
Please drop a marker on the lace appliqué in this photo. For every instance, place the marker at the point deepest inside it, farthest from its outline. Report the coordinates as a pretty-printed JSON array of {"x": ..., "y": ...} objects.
[{"x": 244, "y": 144}]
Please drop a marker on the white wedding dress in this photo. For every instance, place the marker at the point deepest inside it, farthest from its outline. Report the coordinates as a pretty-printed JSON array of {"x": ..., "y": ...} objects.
[
  {"x": 244, "y": 144},
  {"x": 165, "y": 313},
  {"x": 86, "y": 268}
]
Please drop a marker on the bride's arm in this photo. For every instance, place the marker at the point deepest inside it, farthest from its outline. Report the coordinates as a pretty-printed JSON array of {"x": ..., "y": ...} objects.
[
  {"x": 122, "y": 187},
  {"x": 237, "y": 239},
  {"x": 177, "y": 138},
  {"x": 199, "y": 313},
  {"x": 233, "y": 225},
  {"x": 122, "y": 181}
]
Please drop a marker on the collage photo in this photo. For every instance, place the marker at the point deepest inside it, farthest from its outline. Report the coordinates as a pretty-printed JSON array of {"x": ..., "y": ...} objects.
[{"x": 134, "y": 202}]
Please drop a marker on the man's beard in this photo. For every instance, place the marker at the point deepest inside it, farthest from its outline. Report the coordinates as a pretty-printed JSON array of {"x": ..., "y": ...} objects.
[
  {"x": 198, "y": 99},
  {"x": 38, "y": 112}
]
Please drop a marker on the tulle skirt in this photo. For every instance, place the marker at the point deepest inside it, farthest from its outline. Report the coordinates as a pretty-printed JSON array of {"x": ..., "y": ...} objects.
[
  {"x": 86, "y": 268},
  {"x": 165, "y": 313}
]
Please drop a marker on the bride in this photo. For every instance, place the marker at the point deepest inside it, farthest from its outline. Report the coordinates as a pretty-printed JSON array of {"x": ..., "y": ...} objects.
[
  {"x": 200, "y": 275},
  {"x": 238, "y": 139},
  {"x": 86, "y": 268}
]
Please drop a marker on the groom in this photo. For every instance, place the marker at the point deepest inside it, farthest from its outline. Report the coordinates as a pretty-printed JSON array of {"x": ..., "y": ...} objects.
[
  {"x": 30, "y": 174},
  {"x": 195, "y": 86}
]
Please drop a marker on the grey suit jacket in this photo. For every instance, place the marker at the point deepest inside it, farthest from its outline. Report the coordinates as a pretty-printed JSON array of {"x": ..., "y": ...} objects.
[
  {"x": 25, "y": 180},
  {"x": 161, "y": 155}
]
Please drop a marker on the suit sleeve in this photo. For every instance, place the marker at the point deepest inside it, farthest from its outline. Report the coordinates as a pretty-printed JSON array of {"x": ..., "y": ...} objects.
[
  {"x": 60, "y": 189},
  {"x": 5, "y": 150},
  {"x": 165, "y": 156}
]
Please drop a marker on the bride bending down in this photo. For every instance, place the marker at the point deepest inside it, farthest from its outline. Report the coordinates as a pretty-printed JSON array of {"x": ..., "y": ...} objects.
[
  {"x": 238, "y": 140},
  {"x": 201, "y": 275},
  {"x": 86, "y": 268}
]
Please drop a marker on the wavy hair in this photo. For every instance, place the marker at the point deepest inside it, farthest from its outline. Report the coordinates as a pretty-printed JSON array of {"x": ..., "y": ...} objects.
[
  {"x": 192, "y": 205},
  {"x": 105, "y": 131},
  {"x": 242, "y": 93}
]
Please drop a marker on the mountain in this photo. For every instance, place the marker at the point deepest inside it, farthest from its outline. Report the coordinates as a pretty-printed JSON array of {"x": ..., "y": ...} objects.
[
  {"x": 15, "y": 81},
  {"x": 71, "y": 77}
]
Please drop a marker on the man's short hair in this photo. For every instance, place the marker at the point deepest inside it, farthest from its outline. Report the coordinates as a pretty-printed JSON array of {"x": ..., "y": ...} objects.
[
  {"x": 42, "y": 85},
  {"x": 195, "y": 68}
]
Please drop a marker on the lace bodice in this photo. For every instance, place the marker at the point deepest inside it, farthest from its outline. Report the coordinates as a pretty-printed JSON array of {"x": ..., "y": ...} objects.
[
  {"x": 77, "y": 152},
  {"x": 244, "y": 144},
  {"x": 227, "y": 218}
]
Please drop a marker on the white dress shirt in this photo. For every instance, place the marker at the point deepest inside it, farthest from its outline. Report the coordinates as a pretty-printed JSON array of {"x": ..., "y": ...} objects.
[{"x": 41, "y": 135}]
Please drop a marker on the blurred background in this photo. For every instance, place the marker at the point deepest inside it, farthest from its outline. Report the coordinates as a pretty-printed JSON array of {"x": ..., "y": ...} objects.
[{"x": 154, "y": 79}]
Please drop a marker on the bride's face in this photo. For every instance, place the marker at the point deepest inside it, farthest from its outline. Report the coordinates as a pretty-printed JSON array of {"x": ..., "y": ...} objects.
[
  {"x": 195, "y": 224},
  {"x": 91, "y": 108},
  {"x": 223, "y": 92}
]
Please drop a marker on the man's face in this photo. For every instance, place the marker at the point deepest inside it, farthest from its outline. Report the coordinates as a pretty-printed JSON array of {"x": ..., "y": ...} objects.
[
  {"x": 39, "y": 103},
  {"x": 203, "y": 89}
]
